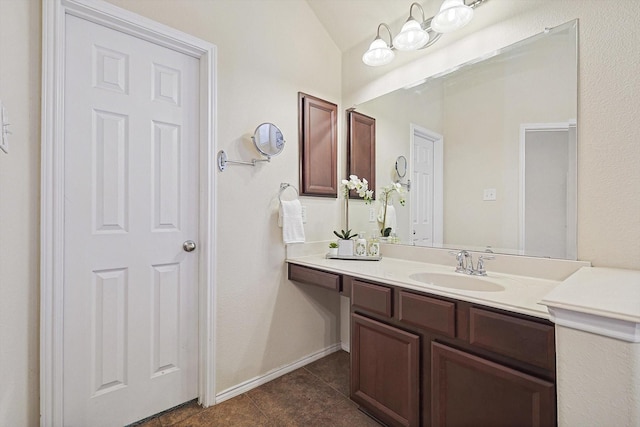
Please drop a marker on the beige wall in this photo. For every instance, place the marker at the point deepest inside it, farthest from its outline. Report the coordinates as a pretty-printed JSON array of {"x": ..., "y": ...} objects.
[
  {"x": 598, "y": 380},
  {"x": 608, "y": 152},
  {"x": 19, "y": 213}
]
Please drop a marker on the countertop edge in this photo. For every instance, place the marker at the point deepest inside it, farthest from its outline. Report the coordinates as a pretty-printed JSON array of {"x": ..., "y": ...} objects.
[{"x": 610, "y": 327}]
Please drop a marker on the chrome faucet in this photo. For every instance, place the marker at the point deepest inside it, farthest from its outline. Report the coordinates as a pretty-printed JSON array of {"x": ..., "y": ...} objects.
[{"x": 465, "y": 263}]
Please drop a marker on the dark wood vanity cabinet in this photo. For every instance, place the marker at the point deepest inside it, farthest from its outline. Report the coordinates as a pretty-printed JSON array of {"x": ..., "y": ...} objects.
[
  {"x": 425, "y": 360},
  {"x": 471, "y": 365}
]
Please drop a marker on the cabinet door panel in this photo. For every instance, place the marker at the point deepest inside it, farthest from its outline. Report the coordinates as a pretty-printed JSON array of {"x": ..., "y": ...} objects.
[
  {"x": 318, "y": 146},
  {"x": 361, "y": 149},
  {"x": 467, "y": 390},
  {"x": 385, "y": 371}
]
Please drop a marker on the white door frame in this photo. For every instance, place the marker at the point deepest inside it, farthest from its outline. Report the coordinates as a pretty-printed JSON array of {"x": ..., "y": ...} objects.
[
  {"x": 52, "y": 188},
  {"x": 571, "y": 213},
  {"x": 438, "y": 179}
]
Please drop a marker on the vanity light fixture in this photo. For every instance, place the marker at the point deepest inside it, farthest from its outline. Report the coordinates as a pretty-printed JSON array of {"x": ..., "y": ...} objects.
[
  {"x": 414, "y": 35},
  {"x": 411, "y": 36},
  {"x": 379, "y": 52},
  {"x": 453, "y": 15}
]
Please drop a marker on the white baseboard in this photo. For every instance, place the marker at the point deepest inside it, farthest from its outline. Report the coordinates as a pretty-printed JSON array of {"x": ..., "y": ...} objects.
[
  {"x": 245, "y": 386},
  {"x": 346, "y": 347}
]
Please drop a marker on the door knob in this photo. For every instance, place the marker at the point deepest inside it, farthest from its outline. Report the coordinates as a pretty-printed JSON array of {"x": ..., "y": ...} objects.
[{"x": 189, "y": 246}]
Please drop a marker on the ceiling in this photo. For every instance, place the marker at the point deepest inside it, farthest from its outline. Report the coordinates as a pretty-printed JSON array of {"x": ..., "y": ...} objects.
[{"x": 349, "y": 22}]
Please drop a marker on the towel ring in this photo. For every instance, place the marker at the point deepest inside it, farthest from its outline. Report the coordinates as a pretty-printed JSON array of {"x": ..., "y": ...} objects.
[{"x": 284, "y": 186}]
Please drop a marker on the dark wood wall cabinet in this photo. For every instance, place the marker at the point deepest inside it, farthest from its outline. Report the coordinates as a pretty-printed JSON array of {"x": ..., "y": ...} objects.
[
  {"x": 318, "y": 136},
  {"x": 361, "y": 148}
]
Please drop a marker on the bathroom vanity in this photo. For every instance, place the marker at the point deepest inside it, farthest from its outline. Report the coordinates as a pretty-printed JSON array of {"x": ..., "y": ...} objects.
[{"x": 429, "y": 355}]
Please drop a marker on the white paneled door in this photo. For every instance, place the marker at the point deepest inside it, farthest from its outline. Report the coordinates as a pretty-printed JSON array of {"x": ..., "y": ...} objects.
[
  {"x": 422, "y": 191},
  {"x": 131, "y": 202}
]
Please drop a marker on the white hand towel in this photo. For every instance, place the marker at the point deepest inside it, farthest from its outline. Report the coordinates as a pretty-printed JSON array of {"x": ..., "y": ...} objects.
[
  {"x": 391, "y": 220},
  {"x": 291, "y": 218}
]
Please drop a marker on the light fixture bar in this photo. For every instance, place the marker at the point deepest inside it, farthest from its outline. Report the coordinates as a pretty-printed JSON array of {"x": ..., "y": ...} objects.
[{"x": 414, "y": 35}]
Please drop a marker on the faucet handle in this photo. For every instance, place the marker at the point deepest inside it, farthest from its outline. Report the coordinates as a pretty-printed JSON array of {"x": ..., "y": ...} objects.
[
  {"x": 480, "y": 271},
  {"x": 460, "y": 259}
]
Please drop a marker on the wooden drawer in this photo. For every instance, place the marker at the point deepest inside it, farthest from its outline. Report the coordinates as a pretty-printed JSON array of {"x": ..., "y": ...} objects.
[
  {"x": 370, "y": 297},
  {"x": 525, "y": 340},
  {"x": 314, "y": 277},
  {"x": 427, "y": 313}
]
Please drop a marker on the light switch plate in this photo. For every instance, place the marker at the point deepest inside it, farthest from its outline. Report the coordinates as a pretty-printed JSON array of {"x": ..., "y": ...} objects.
[
  {"x": 372, "y": 215},
  {"x": 4, "y": 129},
  {"x": 489, "y": 194},
  {"x": 304, "y": 214}
]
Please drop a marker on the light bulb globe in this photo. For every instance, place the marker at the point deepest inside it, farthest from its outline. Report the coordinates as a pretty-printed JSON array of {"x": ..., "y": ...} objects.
[
  {"x": 453, "y": 15},
  {"x": 378, "y": 54},
  {"x": 411, "y": 37}
]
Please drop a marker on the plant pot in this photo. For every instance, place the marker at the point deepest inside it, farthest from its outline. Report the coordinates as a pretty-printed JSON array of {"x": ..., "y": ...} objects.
[
  {"x": 345, "y": 247},
  {"x": 333, "y": 251}
]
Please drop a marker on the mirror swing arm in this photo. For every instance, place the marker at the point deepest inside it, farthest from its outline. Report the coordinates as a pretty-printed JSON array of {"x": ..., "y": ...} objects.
[
  {"x": 401, "y": 171},
  {"x": 406, "y": 185},
  {"x": 267, "y": 139},
  {"x": 223, "y": 160}
]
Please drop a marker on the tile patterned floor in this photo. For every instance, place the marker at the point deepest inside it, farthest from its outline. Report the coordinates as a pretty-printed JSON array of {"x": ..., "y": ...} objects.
[{"x": 315, "y": 395}]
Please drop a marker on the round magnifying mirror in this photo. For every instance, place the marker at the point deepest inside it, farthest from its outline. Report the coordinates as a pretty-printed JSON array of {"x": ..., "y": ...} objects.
[
  {"x": 268, "y": 139},
  {"x": 401, "y": 166}
]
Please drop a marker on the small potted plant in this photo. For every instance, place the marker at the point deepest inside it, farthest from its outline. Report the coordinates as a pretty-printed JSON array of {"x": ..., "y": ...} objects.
[
  {"x": 333, "y": 249},
  {"x": 345, "y": 244}
]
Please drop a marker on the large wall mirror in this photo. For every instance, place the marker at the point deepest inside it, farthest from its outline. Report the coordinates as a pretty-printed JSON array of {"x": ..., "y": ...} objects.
[{"x": 491, "y": 149}]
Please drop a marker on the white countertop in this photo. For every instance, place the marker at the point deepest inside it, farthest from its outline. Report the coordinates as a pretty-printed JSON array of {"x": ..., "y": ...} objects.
[
  {"x": 606, "y": 292},
  {"x": 521, "y": 294},
  {"x": 605, "y": 301}
]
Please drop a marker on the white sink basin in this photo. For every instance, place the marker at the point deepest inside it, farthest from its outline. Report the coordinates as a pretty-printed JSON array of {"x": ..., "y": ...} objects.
[{"x": 458, "y": 281}]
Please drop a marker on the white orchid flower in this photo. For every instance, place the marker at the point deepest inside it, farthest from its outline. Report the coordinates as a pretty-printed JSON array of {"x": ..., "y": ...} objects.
[{"x": 360, "y": 186}]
